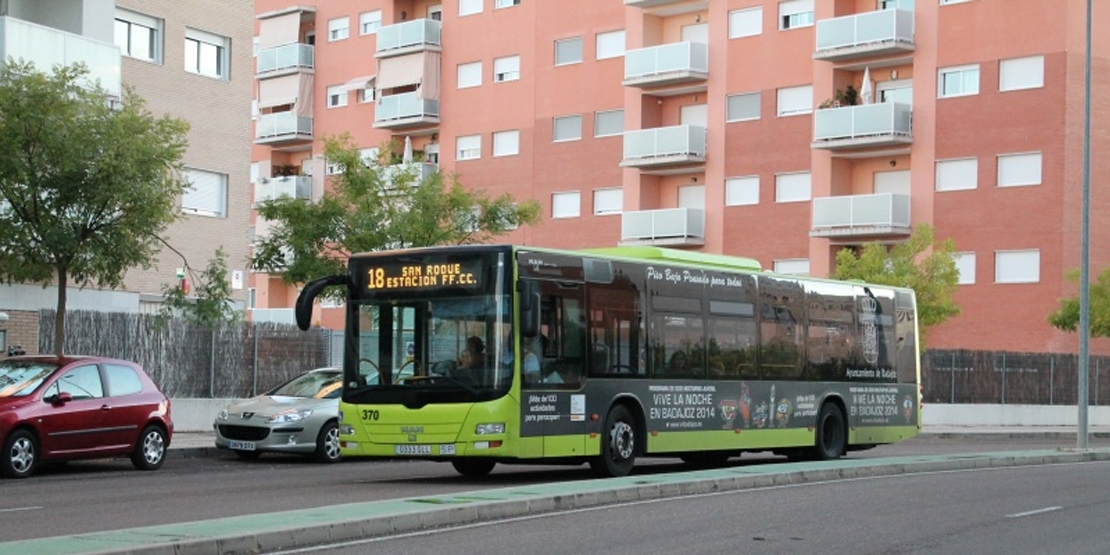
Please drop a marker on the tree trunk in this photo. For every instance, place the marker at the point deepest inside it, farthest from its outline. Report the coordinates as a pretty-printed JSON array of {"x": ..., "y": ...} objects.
[{"x": 60, "y": 314}]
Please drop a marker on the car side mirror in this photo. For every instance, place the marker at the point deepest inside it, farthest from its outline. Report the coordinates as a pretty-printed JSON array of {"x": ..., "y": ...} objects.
[{"x": 62, "y": 398}]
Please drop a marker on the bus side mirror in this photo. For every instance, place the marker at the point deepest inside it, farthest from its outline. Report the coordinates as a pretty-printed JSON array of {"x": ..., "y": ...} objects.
[
  {"x": 529, "y": 308},
  {"x": 303, "y": 309}
]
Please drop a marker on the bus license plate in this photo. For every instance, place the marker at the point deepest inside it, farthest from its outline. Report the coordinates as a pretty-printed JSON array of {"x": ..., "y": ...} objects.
[
  {"x": 413, "y": 449},
  {"x": 240, "y": 445}
]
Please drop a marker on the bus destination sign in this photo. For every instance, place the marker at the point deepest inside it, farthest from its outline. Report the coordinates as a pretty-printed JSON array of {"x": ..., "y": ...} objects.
[{"x": 410, "y": 275}]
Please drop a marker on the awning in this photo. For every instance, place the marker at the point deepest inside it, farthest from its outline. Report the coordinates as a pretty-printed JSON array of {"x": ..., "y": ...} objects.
[
  {"x": 401, "y": 71},
  {"x": 279, "y": 91},
  {"x": 358, "y": 83},
  {"x": 276, "y": 31}
]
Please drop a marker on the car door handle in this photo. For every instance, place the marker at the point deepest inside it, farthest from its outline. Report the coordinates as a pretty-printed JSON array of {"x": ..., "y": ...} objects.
[{"x": 105, "y": 407}]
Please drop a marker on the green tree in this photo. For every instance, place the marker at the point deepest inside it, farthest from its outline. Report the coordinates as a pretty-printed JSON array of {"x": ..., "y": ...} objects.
[
  {"x": 85, "y": 186},
  {"x": 1067, "y": 316},
  {"x": 371, "y": 207},
  {"x": 207, "y": 302},
  {"x": 921, "y": 263}
]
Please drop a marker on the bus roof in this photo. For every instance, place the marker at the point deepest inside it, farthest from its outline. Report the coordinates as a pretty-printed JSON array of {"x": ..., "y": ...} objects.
[{"x": 675, "y": 255}]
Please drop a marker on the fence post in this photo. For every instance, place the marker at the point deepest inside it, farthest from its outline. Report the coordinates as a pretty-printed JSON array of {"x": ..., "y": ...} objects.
[
  {"x": 1098, "y": 368},
  {"x": 952, "y": 379},
  {"x": 1003, "y": 378},
  {"x": 1051, "y": 378},
  {"x": 212, "y": 366},
  {"x": 254, "y": 360}
]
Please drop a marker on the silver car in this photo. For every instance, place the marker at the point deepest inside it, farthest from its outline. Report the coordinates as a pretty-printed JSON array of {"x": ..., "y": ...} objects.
[{"x": 300, "y": 416}]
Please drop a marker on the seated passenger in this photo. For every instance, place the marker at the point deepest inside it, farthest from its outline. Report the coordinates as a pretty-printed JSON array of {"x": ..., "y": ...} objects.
[{"x": 474, "y": 355}]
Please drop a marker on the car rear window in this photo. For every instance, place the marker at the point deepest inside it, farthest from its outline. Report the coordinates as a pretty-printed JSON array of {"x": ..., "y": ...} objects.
[{"x": 123, "y": 380}]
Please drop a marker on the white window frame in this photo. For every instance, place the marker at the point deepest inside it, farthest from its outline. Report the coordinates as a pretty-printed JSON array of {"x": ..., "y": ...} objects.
[
  {"x": 965, "y": 266},
  {"x": 339, "y": 28},
  {"x": 789, "y": 187},
  {"x": 369, "y": 22},
  {"x": 469, "y": 75},
  {"x": 499, "y": 4},
  {"x": 204, "y": 45},
  {"x": 600, "y": 127},
  {"x": 609, "y": 44},
  {"x": 969, "y": 86},
  {"x": 742, "y": 190},
  {"x": 367, "y": 95},
  {"x": 567, "y": 42},
  {"x": 567, "y": 119},
  {"x": 337, "y": 96},
  {"x": 1018, "y": 74},
  {"x": 134, "y": 19},
  {"x": 506, "y": 143},
  {"x": 1014, "y": 164},
  {"x": 803, "y": 106},
  {"x": 506, "y": 68},
  {"x": 370, "y": 156},
  {"x": 795, "y": 14},
  {"x": 747, "y": 22},
  {"x": 791, "y": 266},
  {"x": 566, "y": 204},
  {"x": 255, "y": 172},
  {"x": 608, "y": 201},
  {"x": 211, "y": 204},
  {"x": 468, "y": 147},
  {"x": 957, "y": 174},
  {"x": 1017, "y": 266},
  {"x": 740, "y": 97},
  {"x": 470, "y": 7}
]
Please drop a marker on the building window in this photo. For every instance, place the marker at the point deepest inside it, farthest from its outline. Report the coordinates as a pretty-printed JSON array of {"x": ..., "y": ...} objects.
[
  {"x": 506, "y": 143},
  {"x": 742, "y": 191},
  {"x": 369, "y": 22},
  {"x": 610, "y": 45},
  {"x": 1021, "y": 73},
  {"x": 965, "y": 265},
  {"x": 792, "y": 187},
  {"x": 958, "y": 81},
  {"x": 1019, "y": 170},
  {"x": 205, "y": 194},
  {"x": 745, "y": 23},
  {"x": 1019, "y": 266},
  {"x": 206, "y": 54},
  {"x": 566, "y": 205},
  {"x": 338, "y": 28},
  {"x": 957, "y": 175},
  {"x": 255, "y": 171},
  {"x": 567, "y": 128},
  {"x": 742, "y": 107},
  {"x": 498, "y": 4},
  {"x": 506, "y": 69},
  {"x": 366, "y": 95},
  {"x": 794, "y": 101},
  {"x": 795, "y": 13},
  {"x": 337, "y": 96},
  {"x": 468, "y": 147},
  {"x": 608, "y": 201},
  {"x": 793, "y": 266},
  {"x": 944, "y": 2},
  {"x": 333, "y": 168},
  {"x": 469, "y": 7},
  {"x": 369, "y": 156},
  {"x": 138, "y": 35},
  {"x": 568, "y": 51},
  {"x": 608, "y": 123},
  {"x": 470, "y": 75}
]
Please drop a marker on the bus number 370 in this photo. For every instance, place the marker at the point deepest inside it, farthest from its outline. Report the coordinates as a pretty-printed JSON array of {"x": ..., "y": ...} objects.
[{"x": 369, "y": 414}]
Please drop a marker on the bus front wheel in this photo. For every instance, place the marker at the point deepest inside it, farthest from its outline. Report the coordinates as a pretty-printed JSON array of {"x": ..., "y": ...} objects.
[
  {"x": 831, "y": 433},
  {"x": 473, "y": 467},
  {"x": 618, "y": 444}
]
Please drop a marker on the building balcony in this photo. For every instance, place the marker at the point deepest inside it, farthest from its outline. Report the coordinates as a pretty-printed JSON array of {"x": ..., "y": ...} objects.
[
  {"x": 870, "y": 125},
  {"x": 282, "y": 128},
  {"x": 273, "y": 316},
  {"x": 667, "y": 64},
  {"x": 408, "y": 37},
  {"x": 650, "y": 3},
  {"x": 859, "y": 216},
  {"x": 284, "y": 59},
  {"x": 864, "y": 35},
  {"x": 407, "y": 110},
  {"x": 418, "y": 172},
  {"x": 664, "y": 147},
  {"x": 270, "y": 188},
  {"x": 675, "y": 227},
  {"x": 47, "y": 47}
]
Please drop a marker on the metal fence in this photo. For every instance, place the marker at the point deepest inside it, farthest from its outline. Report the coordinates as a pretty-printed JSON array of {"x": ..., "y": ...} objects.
[{"x": 997, "y": 377}]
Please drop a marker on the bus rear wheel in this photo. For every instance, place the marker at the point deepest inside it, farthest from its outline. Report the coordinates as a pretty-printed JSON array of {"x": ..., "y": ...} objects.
[
  {"x": 832, "y": 433},
  {"x": 474, "y": 468},
  {"x": 618, "y": 445}
]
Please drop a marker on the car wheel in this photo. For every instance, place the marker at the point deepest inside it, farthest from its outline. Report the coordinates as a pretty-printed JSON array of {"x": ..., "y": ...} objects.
[
  {"x": 150, "y": 452},
  {"x": 327, "y": 443},
  {"x": 247, "y": 455},
  {"x": 473, "y": 468},
  {"x": 20, "y": 455}
]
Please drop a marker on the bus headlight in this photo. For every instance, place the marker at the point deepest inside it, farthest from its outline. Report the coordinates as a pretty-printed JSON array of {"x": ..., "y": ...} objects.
[{"x": 489, "y": 429}]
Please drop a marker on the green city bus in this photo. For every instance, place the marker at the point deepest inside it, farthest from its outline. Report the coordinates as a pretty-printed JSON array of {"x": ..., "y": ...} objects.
[{"x": 477, "y": 355}]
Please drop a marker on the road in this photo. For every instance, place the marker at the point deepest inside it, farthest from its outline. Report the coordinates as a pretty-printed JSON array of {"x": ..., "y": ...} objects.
[{"x": 95, "y": 496}]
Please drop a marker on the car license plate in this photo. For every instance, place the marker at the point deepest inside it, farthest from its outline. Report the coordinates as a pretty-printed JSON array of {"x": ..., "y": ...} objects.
[
  {"x": 413, "y": 449},
  {"x": 240, "y": 445}
]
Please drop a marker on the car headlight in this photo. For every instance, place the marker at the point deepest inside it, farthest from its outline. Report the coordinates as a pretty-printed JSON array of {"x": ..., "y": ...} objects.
[
  {"x": 489, "y": 429},
  {"x": 222, "y": 415},
  {"x": 291, "y": 415}
]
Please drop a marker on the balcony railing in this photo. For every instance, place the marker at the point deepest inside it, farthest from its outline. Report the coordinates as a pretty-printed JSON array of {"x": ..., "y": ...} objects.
[
  {"x": 286, "y": 56},
  {"x": 667, "y": 64},
  {"x": 881, "y": 214},
  {"x": 885, "y": 124},
  {"x": 863, "y": 35},
  {"x": 664, "y": 146},
  {"x": 282, "y": 127},
  {"x": 418, "y": 171},
  {"x": 650, "y": 3},
  {"x": 273, "y": 316},
  {"x": 409, "y": 35},
  {"x": 669, "y": 226},
  {"x": 404, "y": 110},
  {"x": 47, "y": 47},
  {"x": 296, "y": 186}
]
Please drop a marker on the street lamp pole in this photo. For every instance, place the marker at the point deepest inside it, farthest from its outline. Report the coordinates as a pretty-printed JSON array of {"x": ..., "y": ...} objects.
[{"x": 1084, "y": 251}]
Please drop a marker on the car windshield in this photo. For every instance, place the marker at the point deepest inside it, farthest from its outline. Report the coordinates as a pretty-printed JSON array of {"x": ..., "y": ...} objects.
[
  {"x": 19, "y": 378},
  {"x": 319, "y": 384}
]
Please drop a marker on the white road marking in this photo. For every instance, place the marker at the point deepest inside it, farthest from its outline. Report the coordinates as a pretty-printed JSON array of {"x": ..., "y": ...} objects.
[
  {"x": 1034, "y": 512},
  {"x": 17, "y": 509}
]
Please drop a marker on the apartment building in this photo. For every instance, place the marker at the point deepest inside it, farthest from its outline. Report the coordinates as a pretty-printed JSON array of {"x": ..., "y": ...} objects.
[
  {"x": 778, "y": 130},
  {"x": 190, "y": 60}
]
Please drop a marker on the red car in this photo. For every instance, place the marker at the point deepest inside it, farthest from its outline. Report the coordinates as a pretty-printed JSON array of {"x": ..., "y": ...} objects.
[{"x": 64, "y": 408}]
